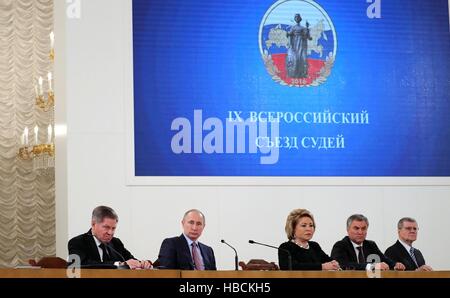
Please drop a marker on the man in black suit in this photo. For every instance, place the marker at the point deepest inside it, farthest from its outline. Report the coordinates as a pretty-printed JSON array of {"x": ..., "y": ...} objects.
[
  {"x": 99, "y": 247},
  {"x": 185, "y": 252},
  {"x": 402, "y": 251},
  {"x": 354, "y": 252}
]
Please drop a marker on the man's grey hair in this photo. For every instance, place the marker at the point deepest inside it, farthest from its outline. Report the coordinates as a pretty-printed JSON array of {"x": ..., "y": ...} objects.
[
  {"x": 195, "y": 210},
  {"x": 102, "y": 212},
  {"x": 357, "y": 217},
  {"x": 402, "y": 220}
]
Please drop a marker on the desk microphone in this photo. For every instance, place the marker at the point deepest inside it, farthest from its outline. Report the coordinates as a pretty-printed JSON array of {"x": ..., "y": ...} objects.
[
  {"x": 235, "y": 254},
  {"x": 277, "y": 248},
  {"x": 120, "y": 255}
]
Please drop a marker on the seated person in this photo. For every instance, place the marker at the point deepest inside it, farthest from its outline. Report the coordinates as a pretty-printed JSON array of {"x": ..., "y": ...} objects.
[
  {"x": 402, "y": 251},
  {"x": 354, "y": 252},
  {"x": 185, "y": 251},
  {"x": 99, "y": 246},
  {"x": 305, "y": 254}
]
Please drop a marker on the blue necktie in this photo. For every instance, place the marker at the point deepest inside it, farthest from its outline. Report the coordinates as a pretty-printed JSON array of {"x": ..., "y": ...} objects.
[{"x": 413, "y": 256}]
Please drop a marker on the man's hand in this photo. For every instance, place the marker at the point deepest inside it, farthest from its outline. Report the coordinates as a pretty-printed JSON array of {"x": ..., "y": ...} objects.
[
  {"x": 146, "y": 264},
  {"x": 383, "y": 266},
  {"x": 424, "y": 268},
  {"x": 136, "y": 264},
  {"x": 399, "y": 266}
]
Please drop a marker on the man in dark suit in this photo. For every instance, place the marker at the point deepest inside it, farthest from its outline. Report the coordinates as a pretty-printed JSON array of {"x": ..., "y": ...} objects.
[
  {"x": 185, "y": 252},
  {"x": 99, "y": 247},
  {"x": 354, "y": 252},
  {"x": 403, "y": 251}
]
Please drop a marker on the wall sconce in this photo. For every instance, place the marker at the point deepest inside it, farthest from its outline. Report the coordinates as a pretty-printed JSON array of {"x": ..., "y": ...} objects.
[
  {"x": 46, "y": 103},
  {"x": 43, "y": 155},
  {"x": 41, "y": 101}
]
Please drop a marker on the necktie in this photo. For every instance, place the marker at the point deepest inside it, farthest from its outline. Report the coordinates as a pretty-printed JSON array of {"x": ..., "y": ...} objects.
[
  {"x": 413, "y": 256},
  {"x": 105, "y": 253},
  {"x": 360, "y": 255},
  {"x": 197, "y": 261}
]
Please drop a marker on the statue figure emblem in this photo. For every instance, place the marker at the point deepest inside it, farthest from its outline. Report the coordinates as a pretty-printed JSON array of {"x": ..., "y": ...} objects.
[{"x": 295, "y": 54}]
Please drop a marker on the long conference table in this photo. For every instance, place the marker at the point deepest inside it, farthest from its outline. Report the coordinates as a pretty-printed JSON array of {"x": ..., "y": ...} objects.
[{"x": 111, "y": 273}]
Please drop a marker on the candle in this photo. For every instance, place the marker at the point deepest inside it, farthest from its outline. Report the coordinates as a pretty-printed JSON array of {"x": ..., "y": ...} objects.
[
  {"x": 49, "y": 134},
  {"x": 52, "y": 39},
  {"x": 22, "y": 139},
  {"x": 36, "y": 132},
  {"x": 40, "y": 86},
  {"x": 49, "y": 76},
  {"x": 25, "y": 132}
]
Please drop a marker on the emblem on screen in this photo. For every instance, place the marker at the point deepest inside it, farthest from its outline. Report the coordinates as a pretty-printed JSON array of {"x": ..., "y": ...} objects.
[{"x": 298, "y": 43}]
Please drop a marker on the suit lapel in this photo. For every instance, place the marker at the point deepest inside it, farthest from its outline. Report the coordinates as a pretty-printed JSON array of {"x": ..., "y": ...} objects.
[
  {"x": 351, "y": 249},
  {"x": 420, "y": 258},
  {"x": 367, "y": 249},
  {"x": 405, "y": 255},
  {"x": 114, "y": 251},
  {"x": 93, "y": 246},
  {"x": 205, "y": 257},
  {"x": 185, "y": 251}
]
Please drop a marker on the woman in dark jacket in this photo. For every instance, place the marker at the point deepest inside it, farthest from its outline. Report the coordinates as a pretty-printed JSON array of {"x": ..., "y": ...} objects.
[{"x": 303, "y": 253}]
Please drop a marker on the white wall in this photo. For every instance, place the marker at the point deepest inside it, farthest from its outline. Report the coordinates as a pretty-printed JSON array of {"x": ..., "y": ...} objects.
[{"x": 94, "y": 93}]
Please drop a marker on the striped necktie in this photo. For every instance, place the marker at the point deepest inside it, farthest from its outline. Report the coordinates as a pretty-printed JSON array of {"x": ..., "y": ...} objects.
[
  {"x": 195, "y": 256},
  {"x": 413, "y": 256}
]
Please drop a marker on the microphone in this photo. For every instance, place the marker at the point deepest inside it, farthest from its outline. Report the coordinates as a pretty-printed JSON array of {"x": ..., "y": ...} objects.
[
  {"x": 235, "y": 255},
  {"x": 277, "y": 248},
  {"x": 120, "y": 255}
]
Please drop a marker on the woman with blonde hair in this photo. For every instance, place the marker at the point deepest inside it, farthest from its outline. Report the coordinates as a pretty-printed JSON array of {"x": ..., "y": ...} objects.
[{"x": 304, "y": 254}]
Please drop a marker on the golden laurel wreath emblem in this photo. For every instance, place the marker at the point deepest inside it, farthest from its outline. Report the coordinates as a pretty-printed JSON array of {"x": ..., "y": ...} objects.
[
  {"x": 296, "y": 53},
  {"x": 323, "y": 74}
]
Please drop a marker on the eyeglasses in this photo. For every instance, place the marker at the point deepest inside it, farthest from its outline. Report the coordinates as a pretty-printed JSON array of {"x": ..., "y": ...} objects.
[{"x": 411, "y": 228}]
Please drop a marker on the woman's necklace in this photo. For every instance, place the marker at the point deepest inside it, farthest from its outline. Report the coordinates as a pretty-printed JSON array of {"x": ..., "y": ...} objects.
[{"x": 301, "y": 245}]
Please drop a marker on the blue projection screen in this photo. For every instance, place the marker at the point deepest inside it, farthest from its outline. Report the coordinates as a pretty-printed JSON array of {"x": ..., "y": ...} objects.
[{"x": 291, "y": 88}]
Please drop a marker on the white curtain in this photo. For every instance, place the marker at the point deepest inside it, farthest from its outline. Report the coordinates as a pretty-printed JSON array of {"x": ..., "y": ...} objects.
[{"x": 27, "y": 197}]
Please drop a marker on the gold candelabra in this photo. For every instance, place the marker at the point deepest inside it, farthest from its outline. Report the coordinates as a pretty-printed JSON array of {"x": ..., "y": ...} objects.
[
  {"x": 45, "y": 103},
  {"x": 41, "y": 102},
  {"x": 48, "y": 104},
  {"x": 29, "y": 152},
  {"x": 42, "y": 154}
]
